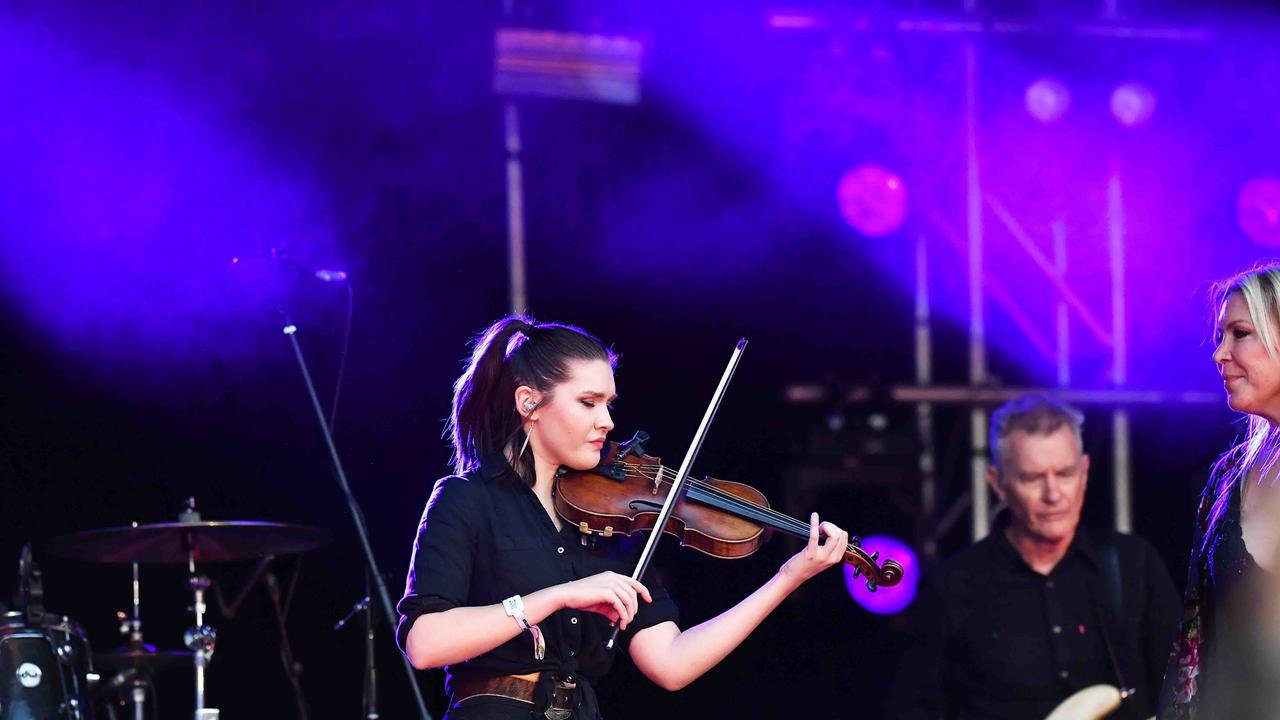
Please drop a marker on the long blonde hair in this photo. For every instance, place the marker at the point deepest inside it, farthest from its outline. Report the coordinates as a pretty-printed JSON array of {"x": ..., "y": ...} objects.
[{"x": 1259, "y": 287}]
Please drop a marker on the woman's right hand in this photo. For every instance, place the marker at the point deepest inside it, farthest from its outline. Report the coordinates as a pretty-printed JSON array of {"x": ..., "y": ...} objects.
[{"x": 608, "y": 593}]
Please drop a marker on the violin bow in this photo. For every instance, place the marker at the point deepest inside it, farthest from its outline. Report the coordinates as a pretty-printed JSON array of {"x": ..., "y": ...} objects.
[{"x": 682, "y": 475}]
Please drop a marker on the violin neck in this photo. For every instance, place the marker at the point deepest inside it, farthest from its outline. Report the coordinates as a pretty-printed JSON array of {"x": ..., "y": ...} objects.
[{"x": 710, "y": 495}]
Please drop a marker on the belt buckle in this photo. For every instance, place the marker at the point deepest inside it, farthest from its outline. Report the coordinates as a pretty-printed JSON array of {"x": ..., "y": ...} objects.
[{"x": 561, "y": 695}]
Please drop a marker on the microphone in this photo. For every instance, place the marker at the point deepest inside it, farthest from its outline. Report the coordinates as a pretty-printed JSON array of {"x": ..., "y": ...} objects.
[
  {"x": 359, "y": 607},
  {"x": 329, "y": 275}
]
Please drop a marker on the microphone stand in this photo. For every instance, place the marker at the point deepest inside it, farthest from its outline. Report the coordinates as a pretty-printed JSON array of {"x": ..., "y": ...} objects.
[
  {"x": 370, "y": 667},
  {"x": 364, "y": 607},
  {"x": 388, "y": 610}
]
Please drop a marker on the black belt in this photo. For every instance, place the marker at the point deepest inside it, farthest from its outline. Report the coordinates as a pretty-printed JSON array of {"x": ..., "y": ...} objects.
[{"x": 518, "y": 688}]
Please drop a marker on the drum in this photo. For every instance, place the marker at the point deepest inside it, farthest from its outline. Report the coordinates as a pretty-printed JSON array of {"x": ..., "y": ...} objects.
[{"x": 45, "y": 669}]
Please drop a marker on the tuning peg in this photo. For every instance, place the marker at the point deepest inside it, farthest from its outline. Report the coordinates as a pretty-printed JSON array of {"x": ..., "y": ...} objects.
[{"x": 871, "y": 585}]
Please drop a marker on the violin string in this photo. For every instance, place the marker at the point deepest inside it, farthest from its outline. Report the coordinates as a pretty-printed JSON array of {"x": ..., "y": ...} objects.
[
  {"x": 782, "y": 520},
  {"x": 748, "y": 508},
  {"x": 669, "y": 475}
]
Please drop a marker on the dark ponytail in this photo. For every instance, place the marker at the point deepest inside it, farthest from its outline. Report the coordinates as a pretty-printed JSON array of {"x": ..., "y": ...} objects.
[{"x": 516, "y": 350}]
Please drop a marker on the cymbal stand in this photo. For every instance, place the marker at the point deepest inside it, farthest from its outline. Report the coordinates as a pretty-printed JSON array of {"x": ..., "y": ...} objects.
[
  {"x": 370, "y": 667},
  {"x": 200, "y": 638},
  {"x": 136, "y": 681}
]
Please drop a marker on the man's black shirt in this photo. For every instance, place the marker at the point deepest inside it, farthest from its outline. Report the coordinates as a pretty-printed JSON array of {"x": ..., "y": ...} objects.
[{"x": 991, "y": 639}]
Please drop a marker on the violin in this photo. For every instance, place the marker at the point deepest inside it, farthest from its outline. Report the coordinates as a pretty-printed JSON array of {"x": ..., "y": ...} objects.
[{"x": 724, "y": 519}]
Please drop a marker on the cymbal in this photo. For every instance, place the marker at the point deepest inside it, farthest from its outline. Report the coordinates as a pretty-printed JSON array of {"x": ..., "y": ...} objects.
[
  {"x": 143, "y": 658},
  {"x": 168, "y": 543}
]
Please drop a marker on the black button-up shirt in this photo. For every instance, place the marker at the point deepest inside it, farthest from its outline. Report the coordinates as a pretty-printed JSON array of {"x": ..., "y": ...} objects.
[
  {"x": 989, "y": 638},
  {"x": 485, "y": 537}
]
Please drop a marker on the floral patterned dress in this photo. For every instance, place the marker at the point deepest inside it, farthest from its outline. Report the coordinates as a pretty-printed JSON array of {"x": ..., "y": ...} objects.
[{"x": 1216, "y": 670}]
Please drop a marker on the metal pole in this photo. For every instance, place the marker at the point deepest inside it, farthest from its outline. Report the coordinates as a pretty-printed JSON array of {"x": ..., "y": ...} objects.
[
  {"x": 924, "y": 409},
  {"x": 357, "y": 516},
  {"x": 1121, "y": 461},
  {"x": 515, "y": 209},
  {"x": 199, "y": 644},
  {"x": 977, "y": 326},
  {"x": 1064, "y": 328}
]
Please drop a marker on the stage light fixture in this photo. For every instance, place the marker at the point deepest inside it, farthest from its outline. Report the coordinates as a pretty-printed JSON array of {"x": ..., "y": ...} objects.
[
  {"x": 1047, "y": 100},
  {"x": 1133, "y": 104},
  {"x": 1258, "y": 210},
  {"x": 872, "y": 200},
  {"x": 892, "y": 599},
  {"x": 572, "y": 66}
]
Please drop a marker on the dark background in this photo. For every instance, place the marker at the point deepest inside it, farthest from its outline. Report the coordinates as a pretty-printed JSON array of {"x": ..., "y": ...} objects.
[{"x": 668, "y": 235}]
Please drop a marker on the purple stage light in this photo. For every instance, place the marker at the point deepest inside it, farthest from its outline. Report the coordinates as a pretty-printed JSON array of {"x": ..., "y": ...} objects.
[
  {"x": 872, "y": 200},
  {"x": 795, "y": 20},
  {"x": 1047, "y": 100},
  {"x": 542, "y": 63},
  {"x": 331, "y": 275},
  {"x": 122, "y": 201},
  {"x": 1258, "y": 210},
  {"x": 1133, "y": 104},
  {"x": 892, "y": 599}
]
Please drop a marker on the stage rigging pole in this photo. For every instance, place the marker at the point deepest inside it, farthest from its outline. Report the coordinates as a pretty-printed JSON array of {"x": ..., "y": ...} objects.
[
  {"x": 1120, "y": 461},
  {"x": 515, "y": 208},
  {"x": 980, "y": 498}
]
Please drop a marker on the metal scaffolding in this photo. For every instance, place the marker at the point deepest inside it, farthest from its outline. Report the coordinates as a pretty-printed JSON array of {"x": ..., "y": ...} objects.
[{"x": 978, "y": 396}]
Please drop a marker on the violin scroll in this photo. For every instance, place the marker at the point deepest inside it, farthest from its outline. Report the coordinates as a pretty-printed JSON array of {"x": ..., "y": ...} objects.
[{"x": 885, "y": 574}]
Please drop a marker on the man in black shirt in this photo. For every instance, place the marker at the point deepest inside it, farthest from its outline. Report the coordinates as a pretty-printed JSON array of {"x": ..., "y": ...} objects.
[{"x": 1040, "y": 608}]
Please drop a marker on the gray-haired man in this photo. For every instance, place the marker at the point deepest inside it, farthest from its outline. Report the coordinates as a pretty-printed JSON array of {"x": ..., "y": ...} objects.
[{"x": 1041, "y": 608}]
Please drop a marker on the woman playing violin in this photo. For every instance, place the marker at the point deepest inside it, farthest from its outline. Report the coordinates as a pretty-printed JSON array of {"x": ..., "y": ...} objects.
[{"x": 509, "y": 599}]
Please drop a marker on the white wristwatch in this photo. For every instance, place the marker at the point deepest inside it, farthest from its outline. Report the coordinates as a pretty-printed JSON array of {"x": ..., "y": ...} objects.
[{"x": 515, "y": 608}]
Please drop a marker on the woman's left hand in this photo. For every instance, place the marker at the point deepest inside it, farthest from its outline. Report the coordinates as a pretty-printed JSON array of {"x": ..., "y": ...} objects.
[{"x": 816, "y": 556}]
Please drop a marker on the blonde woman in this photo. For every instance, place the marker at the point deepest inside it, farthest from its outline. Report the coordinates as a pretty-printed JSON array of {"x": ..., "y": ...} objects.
[{"x": 1225, "y": 662}]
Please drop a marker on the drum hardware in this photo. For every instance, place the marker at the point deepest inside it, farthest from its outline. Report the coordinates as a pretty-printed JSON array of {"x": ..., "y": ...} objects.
[
  {"x": 135, "y": 663},
  {"x": 46, "y": 668},
  {"x": 146, "y": 659},
  {"x": 190, "y": 540},
  {"x": 280, "y": 607},
  {"x": 29, "y": 595},
  {"x": 215, "y": 541},
  {"x": 199, "y": 638}
]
